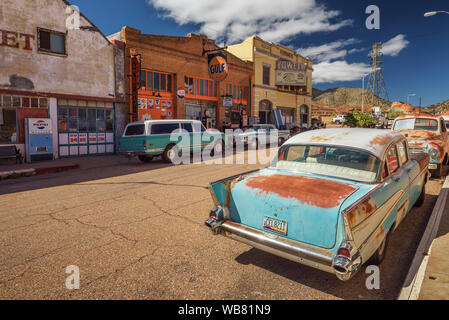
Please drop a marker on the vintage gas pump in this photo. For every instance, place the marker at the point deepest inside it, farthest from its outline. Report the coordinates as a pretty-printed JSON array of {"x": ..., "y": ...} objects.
[{"x": 38, "y": 139}]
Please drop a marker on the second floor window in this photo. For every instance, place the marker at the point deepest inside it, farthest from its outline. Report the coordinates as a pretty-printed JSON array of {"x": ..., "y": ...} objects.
[
  {"x": 266, "y": 75},
  {"x": 51, "y": 41}
]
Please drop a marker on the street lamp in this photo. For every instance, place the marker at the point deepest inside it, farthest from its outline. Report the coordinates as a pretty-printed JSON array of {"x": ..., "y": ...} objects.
[
  {"x": 410, "y": 95},
  {"x": 433, "y": 13}
]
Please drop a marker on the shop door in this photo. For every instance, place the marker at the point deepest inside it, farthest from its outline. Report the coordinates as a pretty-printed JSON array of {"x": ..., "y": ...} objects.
[{"x": 193, "y": 111}]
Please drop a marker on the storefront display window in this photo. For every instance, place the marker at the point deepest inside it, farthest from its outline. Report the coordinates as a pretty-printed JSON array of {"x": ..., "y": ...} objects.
[
  {"x": 85, "y": 128},
  {"x": 10, "y": 115}
]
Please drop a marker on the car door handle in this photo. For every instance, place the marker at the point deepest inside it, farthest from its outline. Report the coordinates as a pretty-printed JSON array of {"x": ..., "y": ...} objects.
[{"x": 396, "y": 178}]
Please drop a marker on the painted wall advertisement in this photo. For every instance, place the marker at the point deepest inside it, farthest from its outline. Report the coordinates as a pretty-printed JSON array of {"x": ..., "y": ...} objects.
[{"x": 290, "y": 73}]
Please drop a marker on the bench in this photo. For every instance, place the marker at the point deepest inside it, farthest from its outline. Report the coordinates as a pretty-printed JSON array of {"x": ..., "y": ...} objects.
[{"x": 10, "y": 152}]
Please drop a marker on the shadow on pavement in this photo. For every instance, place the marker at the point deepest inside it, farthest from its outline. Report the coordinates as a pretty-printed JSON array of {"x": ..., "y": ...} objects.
[{"x": 107, "y": 167}]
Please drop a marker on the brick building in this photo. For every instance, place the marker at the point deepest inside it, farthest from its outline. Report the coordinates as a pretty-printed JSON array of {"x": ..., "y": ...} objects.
[{"x": 172, "y": 65}]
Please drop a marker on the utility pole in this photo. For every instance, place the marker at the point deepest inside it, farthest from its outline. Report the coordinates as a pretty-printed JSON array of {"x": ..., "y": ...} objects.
[{"x": 376, "y": 83}]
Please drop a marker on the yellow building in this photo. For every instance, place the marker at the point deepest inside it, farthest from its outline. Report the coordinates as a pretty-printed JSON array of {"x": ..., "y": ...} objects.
[{"x": 282, "y": 80}]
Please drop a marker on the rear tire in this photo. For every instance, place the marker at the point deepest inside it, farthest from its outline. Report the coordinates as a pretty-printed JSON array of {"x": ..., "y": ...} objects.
[
  {"x": 379, "y": 255},
  {"x": 170, "y": 153},
  {"x": 422, "y": 198},
  {"x": 146, "y": 159}
]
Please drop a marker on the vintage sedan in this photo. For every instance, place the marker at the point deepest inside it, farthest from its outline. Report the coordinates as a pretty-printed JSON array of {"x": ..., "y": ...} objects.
[
  {"x": 330, "y": 200},
  {"x": 426, "y": 133}
]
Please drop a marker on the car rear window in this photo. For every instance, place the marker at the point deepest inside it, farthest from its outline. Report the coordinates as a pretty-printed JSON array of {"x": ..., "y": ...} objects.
[
  {"x": 135, "y": 130},
  {"x": 165, "y": 128}
]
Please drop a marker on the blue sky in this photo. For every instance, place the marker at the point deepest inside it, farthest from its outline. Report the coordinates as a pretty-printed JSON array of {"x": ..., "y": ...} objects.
[{"x": 331, "y": 32}]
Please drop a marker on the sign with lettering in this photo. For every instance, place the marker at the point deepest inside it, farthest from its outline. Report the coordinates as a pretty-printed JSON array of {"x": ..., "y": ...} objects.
[
  {"x": 16, "y": 40},
  {"x": 83, "y": 138},
  {"x": 218, "y": 66},
  {"x": 289, "y": 73},
  {"x": 39, "y": 126}
]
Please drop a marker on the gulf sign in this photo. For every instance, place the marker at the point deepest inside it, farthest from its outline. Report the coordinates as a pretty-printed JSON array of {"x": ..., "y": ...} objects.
[{"x": 218, "y": 66}]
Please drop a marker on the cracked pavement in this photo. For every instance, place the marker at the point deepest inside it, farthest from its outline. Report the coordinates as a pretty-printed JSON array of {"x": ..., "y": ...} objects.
[{"x": 136, "y": 231}]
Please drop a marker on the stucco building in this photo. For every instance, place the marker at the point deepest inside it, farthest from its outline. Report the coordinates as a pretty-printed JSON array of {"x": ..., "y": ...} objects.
[
  {"x": 282, "y": 80},
  {"x": 56, "y": 64},
  {"x": 176, "y": 84}
]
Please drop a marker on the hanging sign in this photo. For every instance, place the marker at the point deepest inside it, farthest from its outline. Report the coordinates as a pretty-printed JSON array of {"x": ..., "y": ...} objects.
[{"x": 218, "y": 66}]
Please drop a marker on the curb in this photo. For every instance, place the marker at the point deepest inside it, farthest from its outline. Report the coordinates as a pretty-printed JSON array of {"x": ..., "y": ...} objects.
[
  {"x": 415, "y": 276},
  {"x": 36, "y": 171}
]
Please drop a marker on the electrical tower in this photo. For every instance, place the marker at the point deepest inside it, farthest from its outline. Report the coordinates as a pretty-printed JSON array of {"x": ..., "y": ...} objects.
[{"x": 376, "y": 83}]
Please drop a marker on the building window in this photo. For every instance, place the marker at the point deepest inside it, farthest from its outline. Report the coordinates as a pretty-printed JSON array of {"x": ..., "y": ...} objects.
[
  {"x": 51, "y": 41},
  {"x": 156, "y": 81},
  {"x": 200, "y": 87},
  {"x": 266, "y": 75}
]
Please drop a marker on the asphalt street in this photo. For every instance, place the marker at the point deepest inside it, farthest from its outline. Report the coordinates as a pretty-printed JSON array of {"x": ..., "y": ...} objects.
[{"x": 136, "y": 231}]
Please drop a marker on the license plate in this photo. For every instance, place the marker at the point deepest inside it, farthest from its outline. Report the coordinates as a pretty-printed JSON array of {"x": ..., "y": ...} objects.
[
  {"x": 433, "y": 166},
  {"x": 275, "y": 225}
]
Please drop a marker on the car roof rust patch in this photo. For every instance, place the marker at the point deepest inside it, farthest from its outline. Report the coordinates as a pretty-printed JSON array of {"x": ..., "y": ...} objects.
[
  {"x": 380, "y": 140},
  {"x": 311, "y": 191}
]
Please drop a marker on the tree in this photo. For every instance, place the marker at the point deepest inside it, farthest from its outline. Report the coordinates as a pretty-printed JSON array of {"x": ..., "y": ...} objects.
[{"x": 358, "y": 119}]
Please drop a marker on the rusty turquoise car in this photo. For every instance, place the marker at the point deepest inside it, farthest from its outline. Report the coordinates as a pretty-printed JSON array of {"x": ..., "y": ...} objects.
[{"x": 330, "y": 200}]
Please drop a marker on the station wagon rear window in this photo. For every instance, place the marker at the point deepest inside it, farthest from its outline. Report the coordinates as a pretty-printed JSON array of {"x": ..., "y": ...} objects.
[
  {"x": 416, "y": 124},
  {"x": 135, "y": 130},
  {"x": 164, "y": 128},
  {"x": 337, "y": 162}
]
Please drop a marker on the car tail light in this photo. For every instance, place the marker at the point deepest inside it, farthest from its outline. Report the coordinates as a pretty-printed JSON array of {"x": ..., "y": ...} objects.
[
  {"x": 144, "y": 144},
  {"x": 344, "y": 252},
  {"x": 213, "y": 214}
]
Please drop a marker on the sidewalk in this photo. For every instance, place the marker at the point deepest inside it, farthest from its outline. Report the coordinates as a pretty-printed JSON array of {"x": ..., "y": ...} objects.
[
  {"x": 435, "y": 284},
  {"x": 57, "y": 165}
]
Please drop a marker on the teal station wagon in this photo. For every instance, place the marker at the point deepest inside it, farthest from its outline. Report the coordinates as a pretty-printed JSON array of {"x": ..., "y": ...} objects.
[
  {"x": 330, "y": 200},
  {"x": 147, "y": 139}
]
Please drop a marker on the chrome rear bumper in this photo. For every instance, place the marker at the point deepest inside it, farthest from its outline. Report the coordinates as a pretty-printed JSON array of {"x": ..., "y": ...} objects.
[{"x": 281, "y": 247}]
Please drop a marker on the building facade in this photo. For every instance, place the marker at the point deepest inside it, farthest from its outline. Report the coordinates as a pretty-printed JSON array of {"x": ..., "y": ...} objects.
[
  {"x": 282, "y": 81},
  {"x": 56, "y": 64},
  {"x": 175, "y": 82}
]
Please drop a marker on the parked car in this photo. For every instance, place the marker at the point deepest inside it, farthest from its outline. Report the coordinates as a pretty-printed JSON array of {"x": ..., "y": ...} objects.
[
  {"x": 330, "y": 200},
  {"x": 381, "y": 121},
  {"x": 390, "y": 123},
  {"x": 340, "y": 119},
  {"x": 147, "y": 139},
  {"x": 263, "y": 132},
  {"x": 426, "y": 133}
]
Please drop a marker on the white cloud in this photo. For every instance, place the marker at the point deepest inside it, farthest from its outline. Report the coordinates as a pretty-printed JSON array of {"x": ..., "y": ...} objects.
[
  {"x": 328, "y": 72},
  {"x": 234, "y": 20},
  {"x": 330, "y": 51},
  {"x": 394, "y": 46}
]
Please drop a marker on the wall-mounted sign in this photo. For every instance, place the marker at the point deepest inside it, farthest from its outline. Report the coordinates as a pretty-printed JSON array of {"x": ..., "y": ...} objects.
[
  {"x": 181, "y": 93},
  {"x": 142, "y": 103},
  {"x": 218, "y": 66},
  {"x": 290, "y": 73},
  {"x": 39, "y": 126},
  {"x": 227, "y": 102}
]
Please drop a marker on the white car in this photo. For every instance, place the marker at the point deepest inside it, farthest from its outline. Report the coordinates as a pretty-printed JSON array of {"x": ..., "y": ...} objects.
[{"x": 339, "y": 119}]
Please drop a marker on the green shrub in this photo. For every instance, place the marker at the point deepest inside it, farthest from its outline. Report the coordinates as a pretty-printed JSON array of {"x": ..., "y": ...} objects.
[{"x": 358, "y": 119}]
